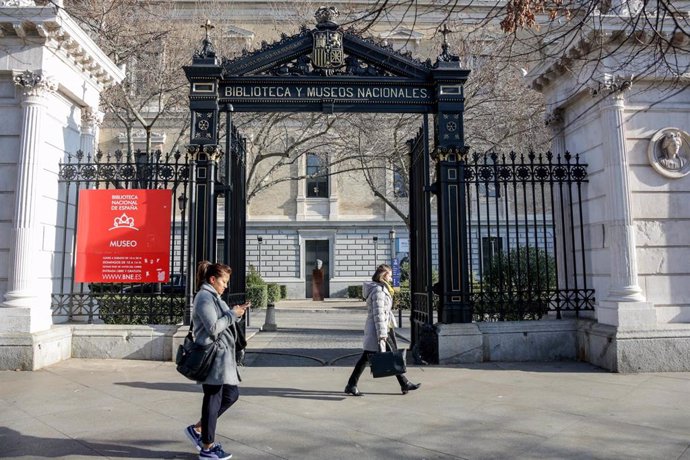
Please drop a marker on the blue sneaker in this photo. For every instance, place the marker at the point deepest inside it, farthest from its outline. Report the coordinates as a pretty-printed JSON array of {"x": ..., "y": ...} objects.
[
  {"x": 193, "y": 436},
  {"x": 214, "y": 453}
]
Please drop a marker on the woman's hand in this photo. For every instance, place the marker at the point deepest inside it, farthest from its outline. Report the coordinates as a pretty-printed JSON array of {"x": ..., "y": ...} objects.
[
  {"x": 239, "y": 310},
  {"x": 382, "y": 343}
]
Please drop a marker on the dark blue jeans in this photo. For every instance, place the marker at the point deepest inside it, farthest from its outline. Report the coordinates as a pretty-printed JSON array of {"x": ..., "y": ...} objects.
[{"x": 217, "y": 399}]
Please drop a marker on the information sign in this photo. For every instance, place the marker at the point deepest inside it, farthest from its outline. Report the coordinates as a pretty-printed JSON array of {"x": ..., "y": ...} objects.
[
  {"x": 123, "y": 236},
  {"x": 395, "y": 264}
]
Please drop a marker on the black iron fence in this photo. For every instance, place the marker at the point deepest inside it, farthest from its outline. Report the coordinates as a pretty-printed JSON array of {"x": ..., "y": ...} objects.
[
  {"x": 117, "y": 303},
  {"x": 525, "y": 235}
]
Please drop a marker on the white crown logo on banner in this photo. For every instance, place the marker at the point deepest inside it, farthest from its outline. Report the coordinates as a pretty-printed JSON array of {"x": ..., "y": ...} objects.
[{"x": 124, "y": 221}]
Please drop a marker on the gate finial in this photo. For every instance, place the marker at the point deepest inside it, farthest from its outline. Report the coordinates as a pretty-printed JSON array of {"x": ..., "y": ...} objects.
[
  {"x": 445, "y": 56},
  {"x": 325, "y": 17},
  {"x": 207, "y": 50}
]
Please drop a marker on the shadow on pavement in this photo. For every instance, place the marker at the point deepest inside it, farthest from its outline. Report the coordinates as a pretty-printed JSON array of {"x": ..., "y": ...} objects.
[
  {"x": 326, "y": 395},
  {"x": 15, "y": 443}
]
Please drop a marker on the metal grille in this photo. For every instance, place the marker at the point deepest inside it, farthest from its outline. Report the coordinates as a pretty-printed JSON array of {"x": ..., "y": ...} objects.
[
  {"x": 118, "y": 303},
  {"x": 525, "y": 235}
]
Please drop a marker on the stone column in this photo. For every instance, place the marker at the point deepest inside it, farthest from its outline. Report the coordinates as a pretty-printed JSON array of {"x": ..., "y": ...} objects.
[
  {"x": 29, "y": 305},
  {"x": 624, "y": 305},
  {"x": 90, "y": 121}
]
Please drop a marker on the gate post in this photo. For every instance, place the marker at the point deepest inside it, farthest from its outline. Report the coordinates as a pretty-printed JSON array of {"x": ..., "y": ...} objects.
[
  {"x": 203, "y": 75},
  {"x": 453, "y": 286}
]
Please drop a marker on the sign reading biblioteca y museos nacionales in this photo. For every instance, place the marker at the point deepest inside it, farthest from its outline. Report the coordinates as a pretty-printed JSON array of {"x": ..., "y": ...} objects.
[{"x": 123, "y": 236}]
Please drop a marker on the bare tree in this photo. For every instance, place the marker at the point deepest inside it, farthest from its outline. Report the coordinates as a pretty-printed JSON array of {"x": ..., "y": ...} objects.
[
  {"x": 544, "y": 29},
  {"x": 142, "y": 37}
]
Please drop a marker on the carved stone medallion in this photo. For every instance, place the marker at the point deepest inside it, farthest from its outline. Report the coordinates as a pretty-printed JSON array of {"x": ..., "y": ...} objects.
[{"x": 669, "y": 152}]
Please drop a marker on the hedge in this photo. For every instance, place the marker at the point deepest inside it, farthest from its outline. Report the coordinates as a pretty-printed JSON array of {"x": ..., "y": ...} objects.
[
  {"x": 273, "y": 292},
  {"x": 258, "y": 295},
  {"x": 140, "y": 309},
  {"x": 355, "y": 292}
]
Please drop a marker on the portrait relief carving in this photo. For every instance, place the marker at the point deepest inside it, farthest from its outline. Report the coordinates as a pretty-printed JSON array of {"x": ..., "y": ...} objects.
[{"x": 669, "y": 152}]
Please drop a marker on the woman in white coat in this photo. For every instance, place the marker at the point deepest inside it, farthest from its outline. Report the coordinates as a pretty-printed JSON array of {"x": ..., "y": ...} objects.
[{"x": 379, "y": 333}]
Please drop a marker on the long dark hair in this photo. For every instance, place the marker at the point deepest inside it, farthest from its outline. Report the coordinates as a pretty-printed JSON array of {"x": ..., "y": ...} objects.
[
  {"x": 380, "y": 270},
  {"x": 205, "y": 270}
]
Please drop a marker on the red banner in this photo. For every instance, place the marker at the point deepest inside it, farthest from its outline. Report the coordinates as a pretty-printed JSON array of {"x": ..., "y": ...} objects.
[{"x": 123, "y": 236}]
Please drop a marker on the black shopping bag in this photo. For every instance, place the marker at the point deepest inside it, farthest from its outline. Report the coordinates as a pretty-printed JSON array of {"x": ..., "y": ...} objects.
[{"x": 387, "y": 363}]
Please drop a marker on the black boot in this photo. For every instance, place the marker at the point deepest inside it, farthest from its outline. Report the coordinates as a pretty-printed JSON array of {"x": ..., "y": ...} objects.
[
  {"x": 409, "y": 386},
  {"x": 352, "y": 389}
]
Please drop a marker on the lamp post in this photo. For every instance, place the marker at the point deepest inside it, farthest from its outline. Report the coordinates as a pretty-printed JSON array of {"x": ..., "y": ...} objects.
[
  {"x": 376, "y": 251},
  {"x": 391, "y": 236},
  {"x": 260, "y": 240},
  {"x": 396, "y": 267},
  {"x": 182, "y": 206}
]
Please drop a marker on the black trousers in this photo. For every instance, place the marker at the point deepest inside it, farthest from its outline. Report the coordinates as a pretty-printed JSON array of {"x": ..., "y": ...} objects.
[
  {"x": 217, "y": 399},
  {"x": 391, "y": 344}
]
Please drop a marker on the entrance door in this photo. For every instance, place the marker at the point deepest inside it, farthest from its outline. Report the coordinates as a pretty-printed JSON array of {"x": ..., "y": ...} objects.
[{"x": 313, "y": 250}]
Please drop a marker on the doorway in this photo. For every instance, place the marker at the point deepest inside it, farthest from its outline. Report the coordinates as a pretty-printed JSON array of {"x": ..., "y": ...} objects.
[{"x": 313, "y": 250}]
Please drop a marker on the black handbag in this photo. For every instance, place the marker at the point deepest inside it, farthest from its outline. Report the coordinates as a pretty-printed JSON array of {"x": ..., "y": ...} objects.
[
  {"x": 387, "y": 363},
  {"x": 194, "y": 361}
]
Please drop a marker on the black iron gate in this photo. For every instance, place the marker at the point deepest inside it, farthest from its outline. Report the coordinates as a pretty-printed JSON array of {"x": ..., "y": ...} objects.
[
  {"x": 150, "y": 303},
  {"x": 423, "y": 340}
]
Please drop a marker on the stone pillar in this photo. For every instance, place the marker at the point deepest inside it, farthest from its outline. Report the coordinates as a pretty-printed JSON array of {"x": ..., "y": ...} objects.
[
  {"x": 90, "y": 121},
  {"x": 624, "y": 306},
  {"x": 27, "y": 306}
]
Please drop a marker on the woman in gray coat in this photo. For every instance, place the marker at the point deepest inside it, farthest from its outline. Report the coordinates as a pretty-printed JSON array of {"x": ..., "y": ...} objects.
[
  {"x": 212, "y": 320},
  {"x": 379, "y": 333}
]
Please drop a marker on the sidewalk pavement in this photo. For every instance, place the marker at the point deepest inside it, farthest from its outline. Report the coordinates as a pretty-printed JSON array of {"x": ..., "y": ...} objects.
[{"x": 292, "y": 406}]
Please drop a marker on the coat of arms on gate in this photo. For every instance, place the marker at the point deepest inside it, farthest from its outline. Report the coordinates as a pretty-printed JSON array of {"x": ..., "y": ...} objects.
[{"x": 328, "y": 51}]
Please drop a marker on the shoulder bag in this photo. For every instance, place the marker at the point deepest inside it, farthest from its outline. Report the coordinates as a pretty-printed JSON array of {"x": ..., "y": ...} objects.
[
  {"x": 194, "y": 361},
  {"x": 387, "y": 363}
]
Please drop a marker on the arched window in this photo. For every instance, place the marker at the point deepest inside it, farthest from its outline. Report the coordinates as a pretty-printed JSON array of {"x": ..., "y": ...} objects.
[{"x": 317, "y": 175}]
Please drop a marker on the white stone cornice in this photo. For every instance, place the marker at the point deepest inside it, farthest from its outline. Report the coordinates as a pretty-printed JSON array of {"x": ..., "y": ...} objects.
[
  {"x": 18, "y": 3},
  {"x": 605, "y": 30},
  {"x": 25, "y": 20},
  {"x": 33, "y": 84}
]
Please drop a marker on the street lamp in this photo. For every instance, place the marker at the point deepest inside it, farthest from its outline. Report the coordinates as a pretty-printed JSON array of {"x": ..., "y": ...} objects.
[
  {"x": 394, "y": 264},
  {"x": 182, "y": 206},
  {"x": 260, "y": 240},
  {"x": 391, "y": 236},
  {"x": 376, "y": 251}
]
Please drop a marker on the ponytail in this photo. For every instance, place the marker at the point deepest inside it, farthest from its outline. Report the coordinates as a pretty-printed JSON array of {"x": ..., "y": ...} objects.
[{"x": 205, "y": 270}]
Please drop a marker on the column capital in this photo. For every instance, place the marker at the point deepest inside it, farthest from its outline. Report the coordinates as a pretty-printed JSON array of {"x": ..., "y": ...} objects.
[
  {"x": 91, "y": 118},
  {"x": 210, "y": 152},
  {"x": 35, "y": 85},
  {"x": 613, "y": 85}
]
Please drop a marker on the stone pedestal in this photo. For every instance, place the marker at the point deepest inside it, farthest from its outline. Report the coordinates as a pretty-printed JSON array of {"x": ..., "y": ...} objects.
[
  {"x": 28, "y": 352},
  {"x": 627, "y": 315},
  {"x": 459, "y": 343}
]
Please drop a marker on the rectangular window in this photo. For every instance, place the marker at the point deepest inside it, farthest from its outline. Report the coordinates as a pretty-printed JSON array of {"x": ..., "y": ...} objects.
[
  {"x": 399, "y": 184},
  {"x": 317, "y": 175}
]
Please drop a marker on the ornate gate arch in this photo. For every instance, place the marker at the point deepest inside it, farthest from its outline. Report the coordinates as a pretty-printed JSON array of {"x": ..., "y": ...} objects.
[{"x": 328, "y": 69}]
